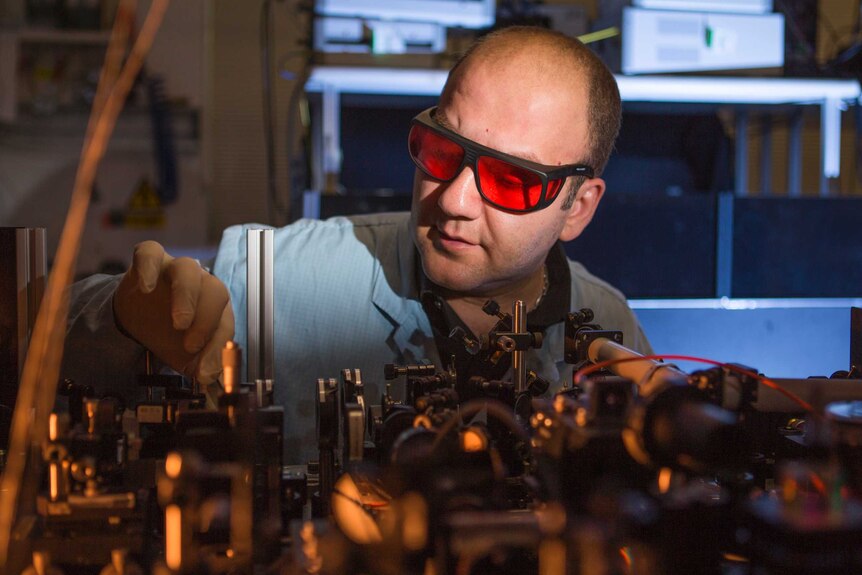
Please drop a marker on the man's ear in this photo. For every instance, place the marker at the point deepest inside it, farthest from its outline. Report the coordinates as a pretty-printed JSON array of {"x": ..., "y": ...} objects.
[{"x": 587, "y": 199}]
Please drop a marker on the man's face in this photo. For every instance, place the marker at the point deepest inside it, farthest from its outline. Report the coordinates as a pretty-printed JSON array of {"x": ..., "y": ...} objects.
[{"x": 467, "y": 245}]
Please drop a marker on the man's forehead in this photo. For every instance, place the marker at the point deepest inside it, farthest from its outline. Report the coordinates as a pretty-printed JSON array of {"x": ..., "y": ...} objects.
[
  {"x": 525, "y": 153},
  {"x": 523, "y": 89},
  {"x": 542, "y": 138},
  {"x": 511, "y": 100},
  {"x": 539, "y": 55},
  {"x": 523, "y": 73}
]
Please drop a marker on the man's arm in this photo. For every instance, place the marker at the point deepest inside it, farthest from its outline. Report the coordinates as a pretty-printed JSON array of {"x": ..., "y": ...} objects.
[
  {"x": 170, "y": 306},
  {"x": 96, "y": 352}
]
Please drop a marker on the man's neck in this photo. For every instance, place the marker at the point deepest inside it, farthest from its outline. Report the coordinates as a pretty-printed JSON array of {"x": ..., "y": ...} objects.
[{"x": 469, "y": 307}]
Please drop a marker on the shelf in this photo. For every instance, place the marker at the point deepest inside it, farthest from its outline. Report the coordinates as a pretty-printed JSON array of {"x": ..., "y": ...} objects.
[
  {"x": 133, "y": 129},
  {"x": 72, "y": 37},
  {"x": 14, "y": 42},
  {"x": 832, "y": 96}
]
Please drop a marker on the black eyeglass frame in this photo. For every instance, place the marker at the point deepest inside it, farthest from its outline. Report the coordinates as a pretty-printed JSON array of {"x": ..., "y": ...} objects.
[{"x": 473, "y": 151}]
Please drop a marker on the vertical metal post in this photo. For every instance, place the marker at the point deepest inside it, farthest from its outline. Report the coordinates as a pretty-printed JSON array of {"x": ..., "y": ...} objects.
[
  {"x": 317, "y": 152},
  {"x": 724, "y": 245},
  {"x": 311, "y": 204},
  {"x": 267, "y": 309},
  {"x": 253, "y": 312},
  {"x": 830, "y": 142},
  {"x": 519, "y": 364},
  {"x": 23, "y": 269},
  {"x": 741, "y": 156},
  {"x": 38, "y": 272},
  {"x": 331, "y": 138},
  {"x": 22, "y": 276},
  {"x": 856, "y": 338},
  {"x": 794, "y": 156},
  {"x": 259, "y": 304},
  {"x": 766, "y": 156}
]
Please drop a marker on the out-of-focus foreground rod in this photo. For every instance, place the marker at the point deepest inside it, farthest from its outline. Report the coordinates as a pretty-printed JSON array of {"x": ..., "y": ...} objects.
[{"x": 42, "y": 367}]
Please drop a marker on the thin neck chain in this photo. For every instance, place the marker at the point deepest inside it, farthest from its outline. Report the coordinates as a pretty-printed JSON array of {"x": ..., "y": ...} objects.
[{"x": 544, "y": 286}]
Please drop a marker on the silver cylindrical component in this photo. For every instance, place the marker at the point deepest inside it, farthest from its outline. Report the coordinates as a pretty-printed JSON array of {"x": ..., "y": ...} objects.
[{"x": 650, "y": 376}]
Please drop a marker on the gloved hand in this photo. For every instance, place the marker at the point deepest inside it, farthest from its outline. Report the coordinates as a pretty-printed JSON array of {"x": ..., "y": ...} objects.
[{"x": 177, "y": 310}]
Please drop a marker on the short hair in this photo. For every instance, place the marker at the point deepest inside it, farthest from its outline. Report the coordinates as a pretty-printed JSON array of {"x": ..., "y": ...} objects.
[{"x": 604, "y": 108}]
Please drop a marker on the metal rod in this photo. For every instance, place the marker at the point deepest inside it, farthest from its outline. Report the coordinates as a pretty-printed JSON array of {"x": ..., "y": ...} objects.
[
  {"x": 724, "y": 245},
  {"x": 519, "y": 365},
  {"x": 266, "y": 308},
  {"x": 741, "y": 159},
  {"x": 855, "y": 338},
  {"x": 38, "y": 260},
  {"x": 253, "y": 304},
  {"x": 794, "y": 156},
  {"x": 22, "y": 245},
  {"x": 830, "y": 144},
  {"x": 259, "y": 304},
  {"x": 766, "y": 155}
]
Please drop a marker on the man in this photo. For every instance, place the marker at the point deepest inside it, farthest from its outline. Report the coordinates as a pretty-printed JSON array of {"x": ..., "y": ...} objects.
[{"x": 508, "y": 167}]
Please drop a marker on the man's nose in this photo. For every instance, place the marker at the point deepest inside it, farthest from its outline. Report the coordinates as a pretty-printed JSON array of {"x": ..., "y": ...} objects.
[{"x": 460, "y": 197}]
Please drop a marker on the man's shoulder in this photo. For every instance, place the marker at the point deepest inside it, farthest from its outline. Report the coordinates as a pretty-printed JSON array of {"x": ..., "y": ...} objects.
[
  {"x": 389, "y": 221},
  {"x": 607, "y": 302},
  {"x": 345, "y": 242},
  {"x": 609, "y": 305},
  {"x": 586, "y": 285},
  {"x": 321, "y": 233},
  {"x": 382, "y": 235},
  {"x": 335, "y": 223},
  {"x": 385, "y": 219}
]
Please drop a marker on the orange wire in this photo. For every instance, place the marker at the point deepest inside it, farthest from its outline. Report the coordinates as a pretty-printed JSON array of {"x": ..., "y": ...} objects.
[
  {"x": 37, "y": 390},
  {"x": 817, "y": 483},
  {"x": 579, "y": 376}
]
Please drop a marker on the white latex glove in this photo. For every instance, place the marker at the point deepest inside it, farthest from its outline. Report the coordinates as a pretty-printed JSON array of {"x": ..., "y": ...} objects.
[{"x": 177, "y": 310}]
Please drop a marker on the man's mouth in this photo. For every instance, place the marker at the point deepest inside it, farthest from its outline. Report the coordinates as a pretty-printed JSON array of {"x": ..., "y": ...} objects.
[{"x": 452, "y": 241}]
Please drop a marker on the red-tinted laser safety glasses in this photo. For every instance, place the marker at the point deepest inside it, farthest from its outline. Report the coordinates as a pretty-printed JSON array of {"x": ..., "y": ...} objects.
[{"x": 506, "y": 182}]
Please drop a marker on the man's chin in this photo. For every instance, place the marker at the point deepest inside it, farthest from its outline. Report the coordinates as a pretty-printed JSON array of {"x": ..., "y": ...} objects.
[
  {"x": 456, "y": 272},
  {"x": 451, "y": 276}
]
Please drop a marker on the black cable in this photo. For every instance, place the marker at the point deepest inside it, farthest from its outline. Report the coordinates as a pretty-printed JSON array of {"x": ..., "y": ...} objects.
[
  {"x": 279, "y": 210},
  {"x": 292, "y": 112},
  {"x": 296, "y": 93},
  {"x": 266, "y": 33}
]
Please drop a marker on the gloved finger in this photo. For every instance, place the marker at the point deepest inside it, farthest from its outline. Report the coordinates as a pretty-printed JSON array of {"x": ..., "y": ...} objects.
[
  {"x": 185, "y": 276},
  {"x": 147, "y": 261},
  {"x": 210, "y": 366},
  {"x": 211, "y": 301}
]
